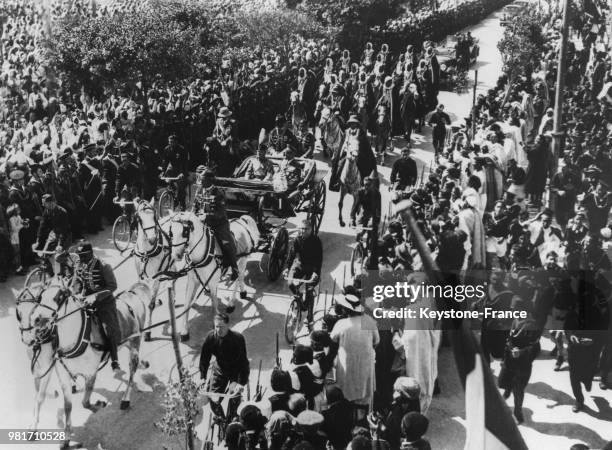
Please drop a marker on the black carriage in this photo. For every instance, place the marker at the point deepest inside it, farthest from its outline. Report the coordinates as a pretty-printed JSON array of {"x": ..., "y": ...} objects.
[{"x": 272, "y": 204}]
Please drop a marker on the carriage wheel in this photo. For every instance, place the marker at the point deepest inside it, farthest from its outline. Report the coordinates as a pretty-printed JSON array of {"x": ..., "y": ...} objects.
[
  {"x": 166, "y": 204},
  {"x": 278, "y": 254},
  {"x": 292, "y": 321},
  {"x": 317, "y": 206},
  {"x": 36, "y": 279},
  {"x": 357, "y": 260},
  {"x": 122, "y": 235}
]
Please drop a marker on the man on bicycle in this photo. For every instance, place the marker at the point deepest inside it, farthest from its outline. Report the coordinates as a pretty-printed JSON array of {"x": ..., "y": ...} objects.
[
  {"x": 53, "y": 231},
  {"x": 305, "y": 260},
  {"x": 98, "y": 283},
  {"x": 230, "y": 371},
  {"x": 175, "y": 163}
]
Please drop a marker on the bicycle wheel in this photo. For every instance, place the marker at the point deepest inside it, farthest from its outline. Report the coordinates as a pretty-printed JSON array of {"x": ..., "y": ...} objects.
[
  {"x": 166, "y": 204},
  {"x": 292, "y": 322},
  {"x": 357, "y": 257},
  {"x": 36, "y": 279},
  {"x": 122, "y": 233}
]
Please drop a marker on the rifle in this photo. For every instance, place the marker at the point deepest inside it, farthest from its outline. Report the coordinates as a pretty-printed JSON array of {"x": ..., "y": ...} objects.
[
  {"x": 258, "y": 388},
  {"x": 278, "y": 360}
]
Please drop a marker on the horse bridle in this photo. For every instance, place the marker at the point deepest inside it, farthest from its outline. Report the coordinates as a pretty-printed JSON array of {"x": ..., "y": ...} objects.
[{"x": 39, "y": 339}]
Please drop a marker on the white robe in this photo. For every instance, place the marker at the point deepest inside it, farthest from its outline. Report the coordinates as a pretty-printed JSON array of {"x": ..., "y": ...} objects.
[{"x": 357, "y": 337}]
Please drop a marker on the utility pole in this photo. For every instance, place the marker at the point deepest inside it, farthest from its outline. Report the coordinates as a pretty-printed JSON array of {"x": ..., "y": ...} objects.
[{"x": 558, "y": 135}]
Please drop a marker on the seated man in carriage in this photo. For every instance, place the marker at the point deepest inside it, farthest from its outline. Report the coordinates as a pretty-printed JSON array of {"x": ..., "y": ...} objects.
[
  {"x": 257, "y": 167},
  {"x": 306, "y": 140},
  {"x": 209, "y": 205},
  {"x": 296, "y": 174}
]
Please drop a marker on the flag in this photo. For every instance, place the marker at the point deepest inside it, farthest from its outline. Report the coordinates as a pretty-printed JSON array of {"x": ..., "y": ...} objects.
[{"x": 489, "y": 423}]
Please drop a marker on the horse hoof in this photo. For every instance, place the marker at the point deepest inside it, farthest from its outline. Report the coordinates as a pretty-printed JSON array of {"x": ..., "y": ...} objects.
[
  {"x": 159, "y": 302},
  {"x": 147, "y": 336},
  {"x": 125, "y": 404},
  {"x": 74, "y": 389},
  {"x": 101, "y": 404},
  {"x": 184, "y": 337},
  {"x": 230, "y": 309},
  {"x": 342, "y": 223},
  {"x": 243, "y": 295}
]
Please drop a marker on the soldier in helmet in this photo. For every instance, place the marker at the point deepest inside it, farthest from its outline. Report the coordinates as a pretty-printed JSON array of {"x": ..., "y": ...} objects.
[
  {"x": 209, "y": 203},
  {"x": 97, "y": 283}
]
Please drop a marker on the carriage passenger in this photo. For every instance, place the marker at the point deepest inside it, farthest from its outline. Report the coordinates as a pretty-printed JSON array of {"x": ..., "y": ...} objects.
[
  {"x": 281, "y": 136},
  {"x": 259, "y": 167}
]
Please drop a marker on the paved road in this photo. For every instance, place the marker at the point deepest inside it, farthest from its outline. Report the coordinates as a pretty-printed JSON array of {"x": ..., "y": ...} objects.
[{"x": 550, "y": 424}]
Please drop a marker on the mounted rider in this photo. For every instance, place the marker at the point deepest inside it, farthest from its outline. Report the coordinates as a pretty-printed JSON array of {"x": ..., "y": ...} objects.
[
  {"x": 97, "y": 284},
  {"x": 209, "y": 204}
]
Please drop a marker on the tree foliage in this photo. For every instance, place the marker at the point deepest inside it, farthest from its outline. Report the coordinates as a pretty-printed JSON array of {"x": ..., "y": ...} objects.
[
  {"x": 118, "y": 51},
  {"x": 522, "y": 44}
]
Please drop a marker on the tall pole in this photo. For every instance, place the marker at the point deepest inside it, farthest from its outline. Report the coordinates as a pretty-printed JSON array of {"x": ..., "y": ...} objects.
[
  {"x": 557, "y": 134},
  {"x": 474, "y": 104}
]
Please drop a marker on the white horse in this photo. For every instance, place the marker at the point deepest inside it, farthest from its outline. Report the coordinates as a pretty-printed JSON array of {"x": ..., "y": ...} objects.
[
  {"x": 332, "y": 132},
  {"x": 195, "y": 243},
  {"x": 350, "y": 178},
  {"x": 80, "y": 345},
  {"x": 40, "y": 347},
  {"x": 152, "y": 250}
]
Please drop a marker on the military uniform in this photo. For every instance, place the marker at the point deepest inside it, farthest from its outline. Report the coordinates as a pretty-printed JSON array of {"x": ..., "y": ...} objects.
[
  {"x": 55, "y": 220},
  {"x": 109, "y": 177},
  {"x": 209, "y": 203},
  {"x": 97, "y": 278}
]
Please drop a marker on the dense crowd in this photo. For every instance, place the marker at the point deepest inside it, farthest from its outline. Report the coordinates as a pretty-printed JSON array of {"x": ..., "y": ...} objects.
[{"x": 485, "y": 205}]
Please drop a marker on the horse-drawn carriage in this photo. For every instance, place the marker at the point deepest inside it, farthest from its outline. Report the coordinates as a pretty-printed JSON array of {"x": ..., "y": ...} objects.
[
  {"x": 272, "y": 203},
  {"x": 455, "y": 59}
]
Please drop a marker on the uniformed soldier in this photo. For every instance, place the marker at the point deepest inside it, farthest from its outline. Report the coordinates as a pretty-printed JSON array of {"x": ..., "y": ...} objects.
[
  {"x": 109, "y": 178},
  {"x": 306, "y": 140},
  {"x": 68, "y": 193},
  {"x": 97, "y": 282},
  {"x": 281, "y": 137},
  {"x": 175, "y": 164},
  {"x": 209, "y": 203},
  {"x": 128, "y": 175},
  {"x": 54, "y": 230},
  {"x": 30, "y": 210},
  {"x": 91, "y": 182}
]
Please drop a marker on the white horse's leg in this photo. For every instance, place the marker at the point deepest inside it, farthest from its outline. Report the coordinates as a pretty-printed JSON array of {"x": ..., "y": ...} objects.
[
  {"x": 238, "y": 285},
  {"x": 40, "y": 384},
  {"x": 152, "y": 305},
  {"x": 90, "y": 381},
  {"x": 192, "y": 284},
  {"x": 66, "y": 384},
  {"x": 134, "y": 346}
]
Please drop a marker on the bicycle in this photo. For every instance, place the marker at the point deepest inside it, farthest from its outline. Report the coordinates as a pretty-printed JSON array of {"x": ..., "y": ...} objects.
[
  {"x": 219, "y": 420},
  {"x": 293, "y": 318},
  {"x": 168, "y": 199},
  {"x": 361, "y": 250},
  {"x": 123, "y": 233},
  {"x": 43, "y": 272}
]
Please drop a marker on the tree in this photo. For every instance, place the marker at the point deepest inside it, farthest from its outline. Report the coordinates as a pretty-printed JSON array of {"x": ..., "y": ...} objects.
[
  {"x": 116, "y": 52},
  {"x": 277, "y": 28},
  {"x": 522, "y": 45}
]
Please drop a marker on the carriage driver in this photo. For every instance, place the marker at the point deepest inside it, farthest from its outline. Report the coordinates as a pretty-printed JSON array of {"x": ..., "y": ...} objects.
[
  {"x": 97, "y": 286},
  {"x": 305, "y": 260},
  {"x": 215, "y": 217}
]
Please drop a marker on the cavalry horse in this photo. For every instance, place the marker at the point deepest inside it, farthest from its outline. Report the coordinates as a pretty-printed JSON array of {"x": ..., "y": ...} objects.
[
  {"x": 152, "y": 250},
  {"x": 61, "y": 320},
  {"x": 350, "y": 178},
  {"x": 332, "y": 133},
  {"x": 195, "y": 243}
]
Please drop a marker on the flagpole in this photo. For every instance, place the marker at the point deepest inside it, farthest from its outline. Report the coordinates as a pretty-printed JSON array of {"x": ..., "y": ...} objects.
[{"x": 558, "y": 134}]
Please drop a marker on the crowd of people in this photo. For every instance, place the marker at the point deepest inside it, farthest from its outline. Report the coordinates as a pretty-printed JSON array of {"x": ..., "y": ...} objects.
[{"x": 484, "y": 206}]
